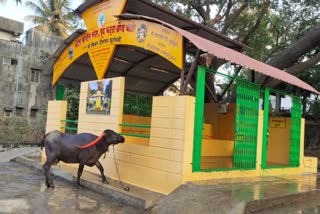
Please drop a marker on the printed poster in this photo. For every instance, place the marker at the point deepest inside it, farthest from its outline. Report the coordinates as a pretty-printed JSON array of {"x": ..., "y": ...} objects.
[{"x": 99, "y": 97}]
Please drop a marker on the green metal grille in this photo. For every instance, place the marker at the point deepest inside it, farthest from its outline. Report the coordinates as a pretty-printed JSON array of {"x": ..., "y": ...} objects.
[
  {"x": 246, "y": 126},
  {"x": 248, "y": 95},
  {"x": 295, "y": 132}
]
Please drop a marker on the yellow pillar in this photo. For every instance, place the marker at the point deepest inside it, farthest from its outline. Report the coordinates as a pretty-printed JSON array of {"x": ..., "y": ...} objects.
[
  {"x": 57, "y": 111},
  {"x": 259, "y": 141},
  {"x": 188, "y": 138},
  {"x": 302, "y": 141}
]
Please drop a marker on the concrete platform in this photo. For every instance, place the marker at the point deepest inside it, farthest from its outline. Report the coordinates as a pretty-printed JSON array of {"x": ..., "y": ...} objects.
[
  {"x": 16, "y": 152},
  {"x": 239, "y": 195},
  {"x": 261, "y": 193},
  {"x": 137, "y": 197}
]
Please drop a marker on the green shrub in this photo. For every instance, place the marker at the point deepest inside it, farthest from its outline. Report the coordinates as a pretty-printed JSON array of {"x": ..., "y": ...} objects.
[
  {"x": 139, "y": 105},
  {"x": 16, "y": 130}
]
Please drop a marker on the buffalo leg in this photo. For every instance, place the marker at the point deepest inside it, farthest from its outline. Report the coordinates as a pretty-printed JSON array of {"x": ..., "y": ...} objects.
[
  {"x": 99, "y": 166},
  {"x": 46, "y": 167},
  {"x": 80, "y": 170}
]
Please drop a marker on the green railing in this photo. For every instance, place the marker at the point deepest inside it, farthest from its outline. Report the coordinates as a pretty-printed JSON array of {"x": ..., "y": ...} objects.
[
  {"x": 69, "y": 128},
  {"x": 137, "y": 126}
]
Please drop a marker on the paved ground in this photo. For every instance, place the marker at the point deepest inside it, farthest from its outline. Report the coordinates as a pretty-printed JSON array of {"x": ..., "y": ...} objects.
[
  {"x": 23, "y": 191},
  {"x": 190, "y": 199},
  {"x": 16, "y": 152},
  {"x": 310, "y": 207},
  {"x": 295, "y": 194}
]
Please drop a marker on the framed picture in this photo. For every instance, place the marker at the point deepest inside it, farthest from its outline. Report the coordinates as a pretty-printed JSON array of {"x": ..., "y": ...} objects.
[{"x": 99, "y": 97}]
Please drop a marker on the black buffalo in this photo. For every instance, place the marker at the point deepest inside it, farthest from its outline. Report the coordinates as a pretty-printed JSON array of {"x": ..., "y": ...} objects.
[{"x": 84, "y": 148}]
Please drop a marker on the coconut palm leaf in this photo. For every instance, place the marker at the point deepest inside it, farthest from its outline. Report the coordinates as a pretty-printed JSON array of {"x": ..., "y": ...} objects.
[
  {"x": 4, "y": 1},
  {"x": 52, "y": 16}
]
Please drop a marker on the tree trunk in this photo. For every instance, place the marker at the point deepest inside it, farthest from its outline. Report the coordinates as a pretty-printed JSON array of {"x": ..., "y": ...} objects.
[{"x": 289, "y": 56}]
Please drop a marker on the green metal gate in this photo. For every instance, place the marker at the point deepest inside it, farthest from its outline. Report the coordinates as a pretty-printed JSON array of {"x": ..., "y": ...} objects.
[
  {"x": 246, "y": 125},
  {"x": 295, "y": 132}
]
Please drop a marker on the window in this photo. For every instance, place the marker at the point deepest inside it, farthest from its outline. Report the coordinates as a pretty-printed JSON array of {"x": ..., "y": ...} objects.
[
  {"x": 14, "y": 62},
  {"x": 6, "y": 61},
  {"x": 7, "y": 112},
  {"x": 35, "y": 75},
  {"x": 9, "y": 61},
  {"x": 33, "y": 113}
]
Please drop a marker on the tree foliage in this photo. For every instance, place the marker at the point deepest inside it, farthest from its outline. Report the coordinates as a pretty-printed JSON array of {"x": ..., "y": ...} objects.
[
  {"x": 4, "y": 1},
  {"x": 282, "y": 33},
  {"x": 72, "y": 94},
  {"x": 139, "y": 105},
  {"x": 52, "y": 16}
]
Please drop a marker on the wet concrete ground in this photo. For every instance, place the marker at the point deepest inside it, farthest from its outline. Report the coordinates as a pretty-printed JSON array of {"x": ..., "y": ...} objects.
[
  {"x": 22, "y": 190},
  {"x": 310, "y": 207}
]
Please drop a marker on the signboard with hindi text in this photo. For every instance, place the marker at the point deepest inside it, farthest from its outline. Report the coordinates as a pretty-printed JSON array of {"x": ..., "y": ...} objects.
[
  {"x": 100, "y": 14},
  {"x": 277, "y": 122},
  {"x": 100, "y": 44}
]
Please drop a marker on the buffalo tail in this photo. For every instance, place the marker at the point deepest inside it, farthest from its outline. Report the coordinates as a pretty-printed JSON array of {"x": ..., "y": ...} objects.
[{"x": 42, "y": 141}]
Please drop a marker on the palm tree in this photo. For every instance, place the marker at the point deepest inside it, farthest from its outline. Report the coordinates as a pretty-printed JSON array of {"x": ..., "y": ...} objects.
[
  {"x": 4, "y": 1},
  {"x": 52, "y": 16}
]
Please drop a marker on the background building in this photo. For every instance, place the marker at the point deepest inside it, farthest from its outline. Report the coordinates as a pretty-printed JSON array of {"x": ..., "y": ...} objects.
[{"x": 25, "y": 85}]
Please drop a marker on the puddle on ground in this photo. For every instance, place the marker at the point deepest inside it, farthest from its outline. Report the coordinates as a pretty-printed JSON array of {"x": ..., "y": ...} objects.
[{"x": 23, "y": 191}]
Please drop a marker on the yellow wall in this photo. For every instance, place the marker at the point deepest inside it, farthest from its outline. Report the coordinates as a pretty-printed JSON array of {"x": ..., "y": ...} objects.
[
  {"x": 310, "y": 164},
  {"x": 260, "y": 140},
  {"x": 302, "y": 142},
  {"x": 218, "y": 135},
  {"x": 157, "y": 165},
  {"x": 217, "y": 125},
  {"x": 96, "y": 123},
  {"x": 166, "y": 162},
  {"x": 57, "y": 111},
  {"x": 216, "y": 154},
  {"x": 133, "y": 119},
  {"x": 307, "y": 164},
  {"x": 279, "y": 144}
]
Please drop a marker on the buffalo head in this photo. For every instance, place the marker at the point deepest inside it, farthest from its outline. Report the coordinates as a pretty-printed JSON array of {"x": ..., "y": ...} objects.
[{"x": 111, "y": 137}]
